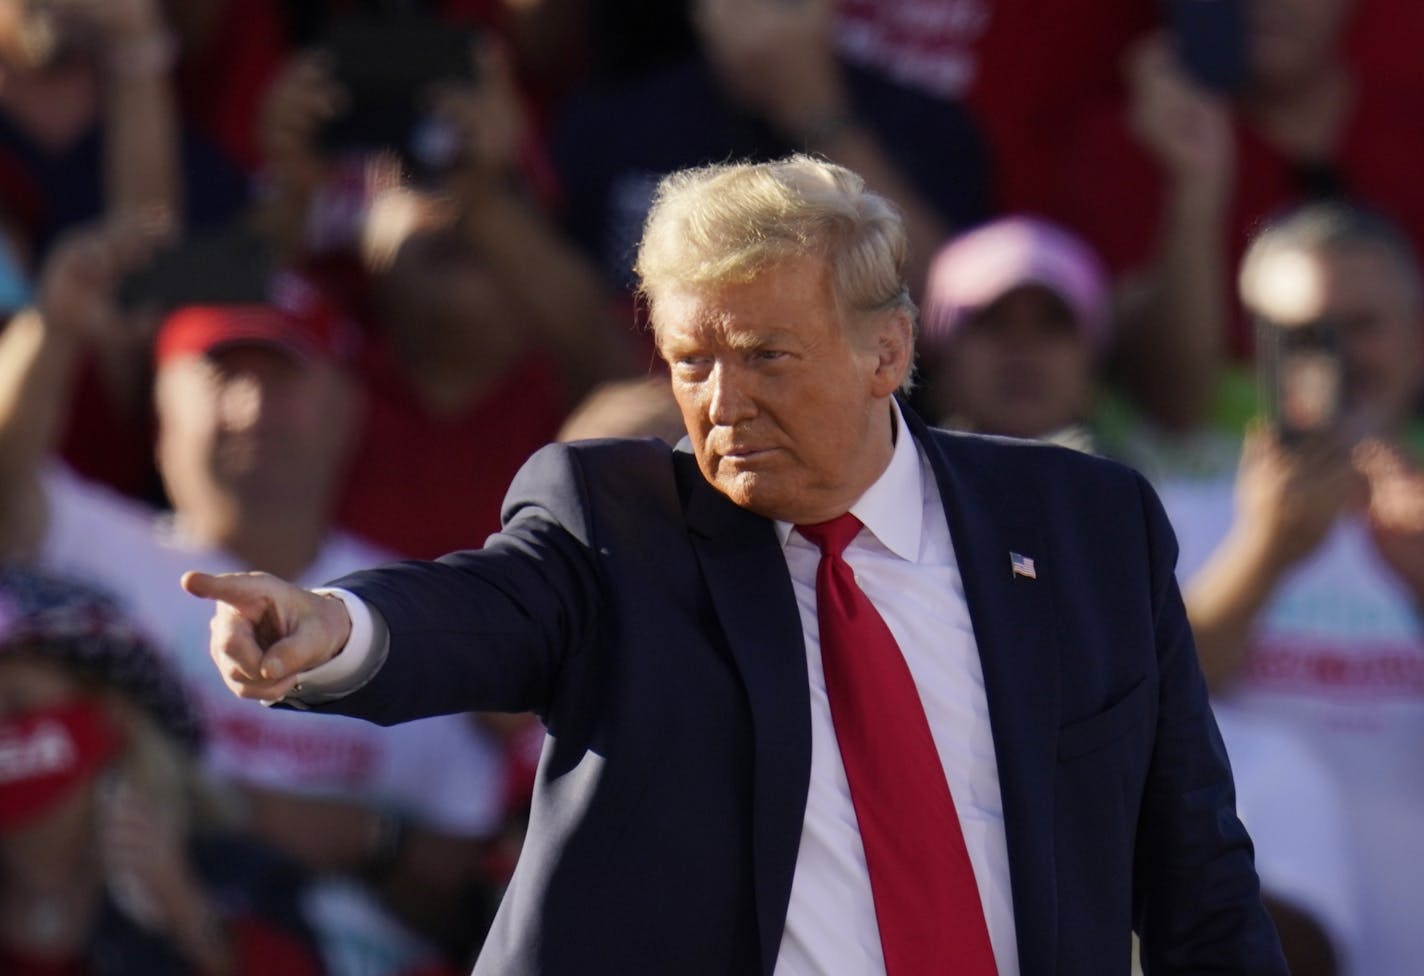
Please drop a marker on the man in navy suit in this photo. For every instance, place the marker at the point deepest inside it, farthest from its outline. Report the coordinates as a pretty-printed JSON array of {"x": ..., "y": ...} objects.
[{"x": 701, "y": 804}]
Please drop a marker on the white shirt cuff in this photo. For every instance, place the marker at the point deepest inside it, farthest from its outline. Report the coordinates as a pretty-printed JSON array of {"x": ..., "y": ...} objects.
[{"x": 355, "y": 664}]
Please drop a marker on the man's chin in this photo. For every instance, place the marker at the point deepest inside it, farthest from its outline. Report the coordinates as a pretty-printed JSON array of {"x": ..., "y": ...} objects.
[{"x": 754, "y": 491}]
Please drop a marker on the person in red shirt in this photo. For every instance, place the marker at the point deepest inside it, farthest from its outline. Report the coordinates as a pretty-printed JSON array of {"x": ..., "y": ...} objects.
[
  {"x": 1022, "y": 67},
  {"x": 485, "y": 325},
  {"x": 1169, "y": 185}
]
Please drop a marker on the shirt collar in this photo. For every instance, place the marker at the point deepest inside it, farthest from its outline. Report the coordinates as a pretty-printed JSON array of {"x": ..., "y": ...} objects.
[{"x": 892, "y": 508}]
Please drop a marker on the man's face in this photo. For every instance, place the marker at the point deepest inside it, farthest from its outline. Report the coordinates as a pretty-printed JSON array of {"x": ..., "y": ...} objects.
[
  {"x": 1381, "y": 333},
  {"x": 1021, "y": 367},
  {"x": 443, "y": 299},
  {"x": 249, "y": 424},
  {"x": 788, "y": 414},
  {"x": 1361, "y": 293}
]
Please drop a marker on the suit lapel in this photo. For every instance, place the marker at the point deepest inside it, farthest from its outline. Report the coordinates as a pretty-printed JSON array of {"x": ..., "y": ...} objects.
[
  {"x": 746, "y": 576},
  {"x": 1013, "y": 628}
]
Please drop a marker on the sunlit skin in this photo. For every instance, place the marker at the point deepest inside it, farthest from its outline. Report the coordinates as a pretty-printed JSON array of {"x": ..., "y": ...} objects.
[
  {"x": 788, "y": 414},
  {"x": 252, "y": 423}
]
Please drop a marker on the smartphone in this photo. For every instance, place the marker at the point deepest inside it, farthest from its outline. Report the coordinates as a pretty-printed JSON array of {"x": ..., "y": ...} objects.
[
  {"x": 228, "y": 266},
  {"x": 388, "y": 66},
  {"x": 1302, "y": 379},
  {"x": 1210, "y": 40}
]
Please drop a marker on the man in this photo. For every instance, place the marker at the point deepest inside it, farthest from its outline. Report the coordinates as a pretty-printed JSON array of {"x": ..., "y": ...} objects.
[
  {"x": 1304, "y": 576},
  {"x": 486, "y": 324},
  {"x": 1056, "y": 781},
  {"x": 256, "y": 409}
]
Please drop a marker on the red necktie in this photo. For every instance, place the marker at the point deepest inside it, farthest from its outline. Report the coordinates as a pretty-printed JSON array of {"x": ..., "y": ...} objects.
[{"x": 926, "y": 901}]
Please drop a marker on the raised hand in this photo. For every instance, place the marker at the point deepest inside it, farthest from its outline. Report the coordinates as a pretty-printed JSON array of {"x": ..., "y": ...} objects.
[
  {"x": 1396, "y": 515},
  {"x": 152, "y": 881},
  {"x": 487, "y": 122},
  {"x": 78, "y": 285},
  {"x": 1183, "y": 124},
  {"x": 267, "y": 632},
  {"x": 776, "y": 58},
  {"x": 303, "y": 98},
  {"x": 1289, "y": 499}
]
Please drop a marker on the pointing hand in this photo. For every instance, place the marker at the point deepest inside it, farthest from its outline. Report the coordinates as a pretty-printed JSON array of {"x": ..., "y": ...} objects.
[{"x": 267, "y": 632}]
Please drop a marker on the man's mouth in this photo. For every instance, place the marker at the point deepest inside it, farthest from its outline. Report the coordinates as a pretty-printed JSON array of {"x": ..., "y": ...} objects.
[{"x": 744, "y": 453}]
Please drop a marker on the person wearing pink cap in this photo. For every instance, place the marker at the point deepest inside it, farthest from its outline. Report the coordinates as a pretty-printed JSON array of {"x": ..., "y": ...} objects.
[
  {"x": 256, "y": 414},
  {"x": 1016, "y": 318}
]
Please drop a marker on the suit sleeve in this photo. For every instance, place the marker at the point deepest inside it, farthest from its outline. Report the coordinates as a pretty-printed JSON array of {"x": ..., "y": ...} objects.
[
  {"x": 488, "y": 629},
  {"x": 1197, "y": 897}
]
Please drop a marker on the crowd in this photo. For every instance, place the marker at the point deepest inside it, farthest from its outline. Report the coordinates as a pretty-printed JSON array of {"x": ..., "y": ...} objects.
[{"x": 298, "y": 287}]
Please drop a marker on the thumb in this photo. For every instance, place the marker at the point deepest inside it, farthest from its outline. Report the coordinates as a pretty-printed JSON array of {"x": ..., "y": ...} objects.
[{"x": 308, "y": 646}]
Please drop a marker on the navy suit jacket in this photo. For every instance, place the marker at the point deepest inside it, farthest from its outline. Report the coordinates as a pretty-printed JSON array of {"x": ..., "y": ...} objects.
[{"x": 651, "y": 623}]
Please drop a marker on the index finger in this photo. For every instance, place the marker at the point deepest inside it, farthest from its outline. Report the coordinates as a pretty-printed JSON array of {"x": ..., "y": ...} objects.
[{"x": 251, "y": 594}]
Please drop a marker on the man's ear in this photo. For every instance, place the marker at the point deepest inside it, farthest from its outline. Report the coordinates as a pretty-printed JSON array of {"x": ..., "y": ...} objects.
[{"x": 894, "y": 350}]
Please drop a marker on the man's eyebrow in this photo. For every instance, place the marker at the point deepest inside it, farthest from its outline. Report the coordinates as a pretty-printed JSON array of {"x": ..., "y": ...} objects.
[
  {"x": 745, "y": 341},
  {"x": 738, "y": 340}
]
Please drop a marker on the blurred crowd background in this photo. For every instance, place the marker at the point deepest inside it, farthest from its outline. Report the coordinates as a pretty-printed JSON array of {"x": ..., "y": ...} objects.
[{"x": 297, "y": 285}]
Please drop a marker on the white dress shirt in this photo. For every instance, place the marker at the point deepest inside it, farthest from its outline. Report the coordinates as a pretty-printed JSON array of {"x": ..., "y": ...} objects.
[{"x": 904, "y": 561}]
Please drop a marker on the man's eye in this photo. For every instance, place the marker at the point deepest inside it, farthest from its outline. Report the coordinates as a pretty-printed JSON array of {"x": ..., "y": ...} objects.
[
  {"x": 769, "y": 355},
  {"x": 691, "y": 365}
]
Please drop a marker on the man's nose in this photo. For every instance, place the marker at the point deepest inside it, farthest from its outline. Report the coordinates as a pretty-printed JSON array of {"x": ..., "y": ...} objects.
[{"x": 731, "y": 401}]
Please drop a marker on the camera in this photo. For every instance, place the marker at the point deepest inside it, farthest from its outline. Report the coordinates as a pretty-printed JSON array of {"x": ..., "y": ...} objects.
[
  {"x": 220, "y": 266},
  {"x": 1210, "y": 41},
  {"x": 389, "y": 66},
  {"x": 1303, "y": 378}
]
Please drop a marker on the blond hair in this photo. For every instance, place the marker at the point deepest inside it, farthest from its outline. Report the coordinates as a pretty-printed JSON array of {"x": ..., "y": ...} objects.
[{"x": 729, "y": 222}]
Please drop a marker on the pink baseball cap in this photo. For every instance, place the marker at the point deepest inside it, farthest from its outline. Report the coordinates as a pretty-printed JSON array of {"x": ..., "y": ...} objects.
[
  {"x": 297, "y": 319},
  {"x": 979, "y": 267}
]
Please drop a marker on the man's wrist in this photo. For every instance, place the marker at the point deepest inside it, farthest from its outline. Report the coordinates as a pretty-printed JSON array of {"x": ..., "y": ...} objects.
[{"x": 355, "y": 662}]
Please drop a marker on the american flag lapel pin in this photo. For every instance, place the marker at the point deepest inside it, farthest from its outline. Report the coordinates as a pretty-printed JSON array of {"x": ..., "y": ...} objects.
[{"x": 1022, "y": 565}]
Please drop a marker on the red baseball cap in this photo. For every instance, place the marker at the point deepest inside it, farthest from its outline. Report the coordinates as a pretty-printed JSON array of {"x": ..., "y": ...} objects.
[{"x": 297, "y": 319}]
